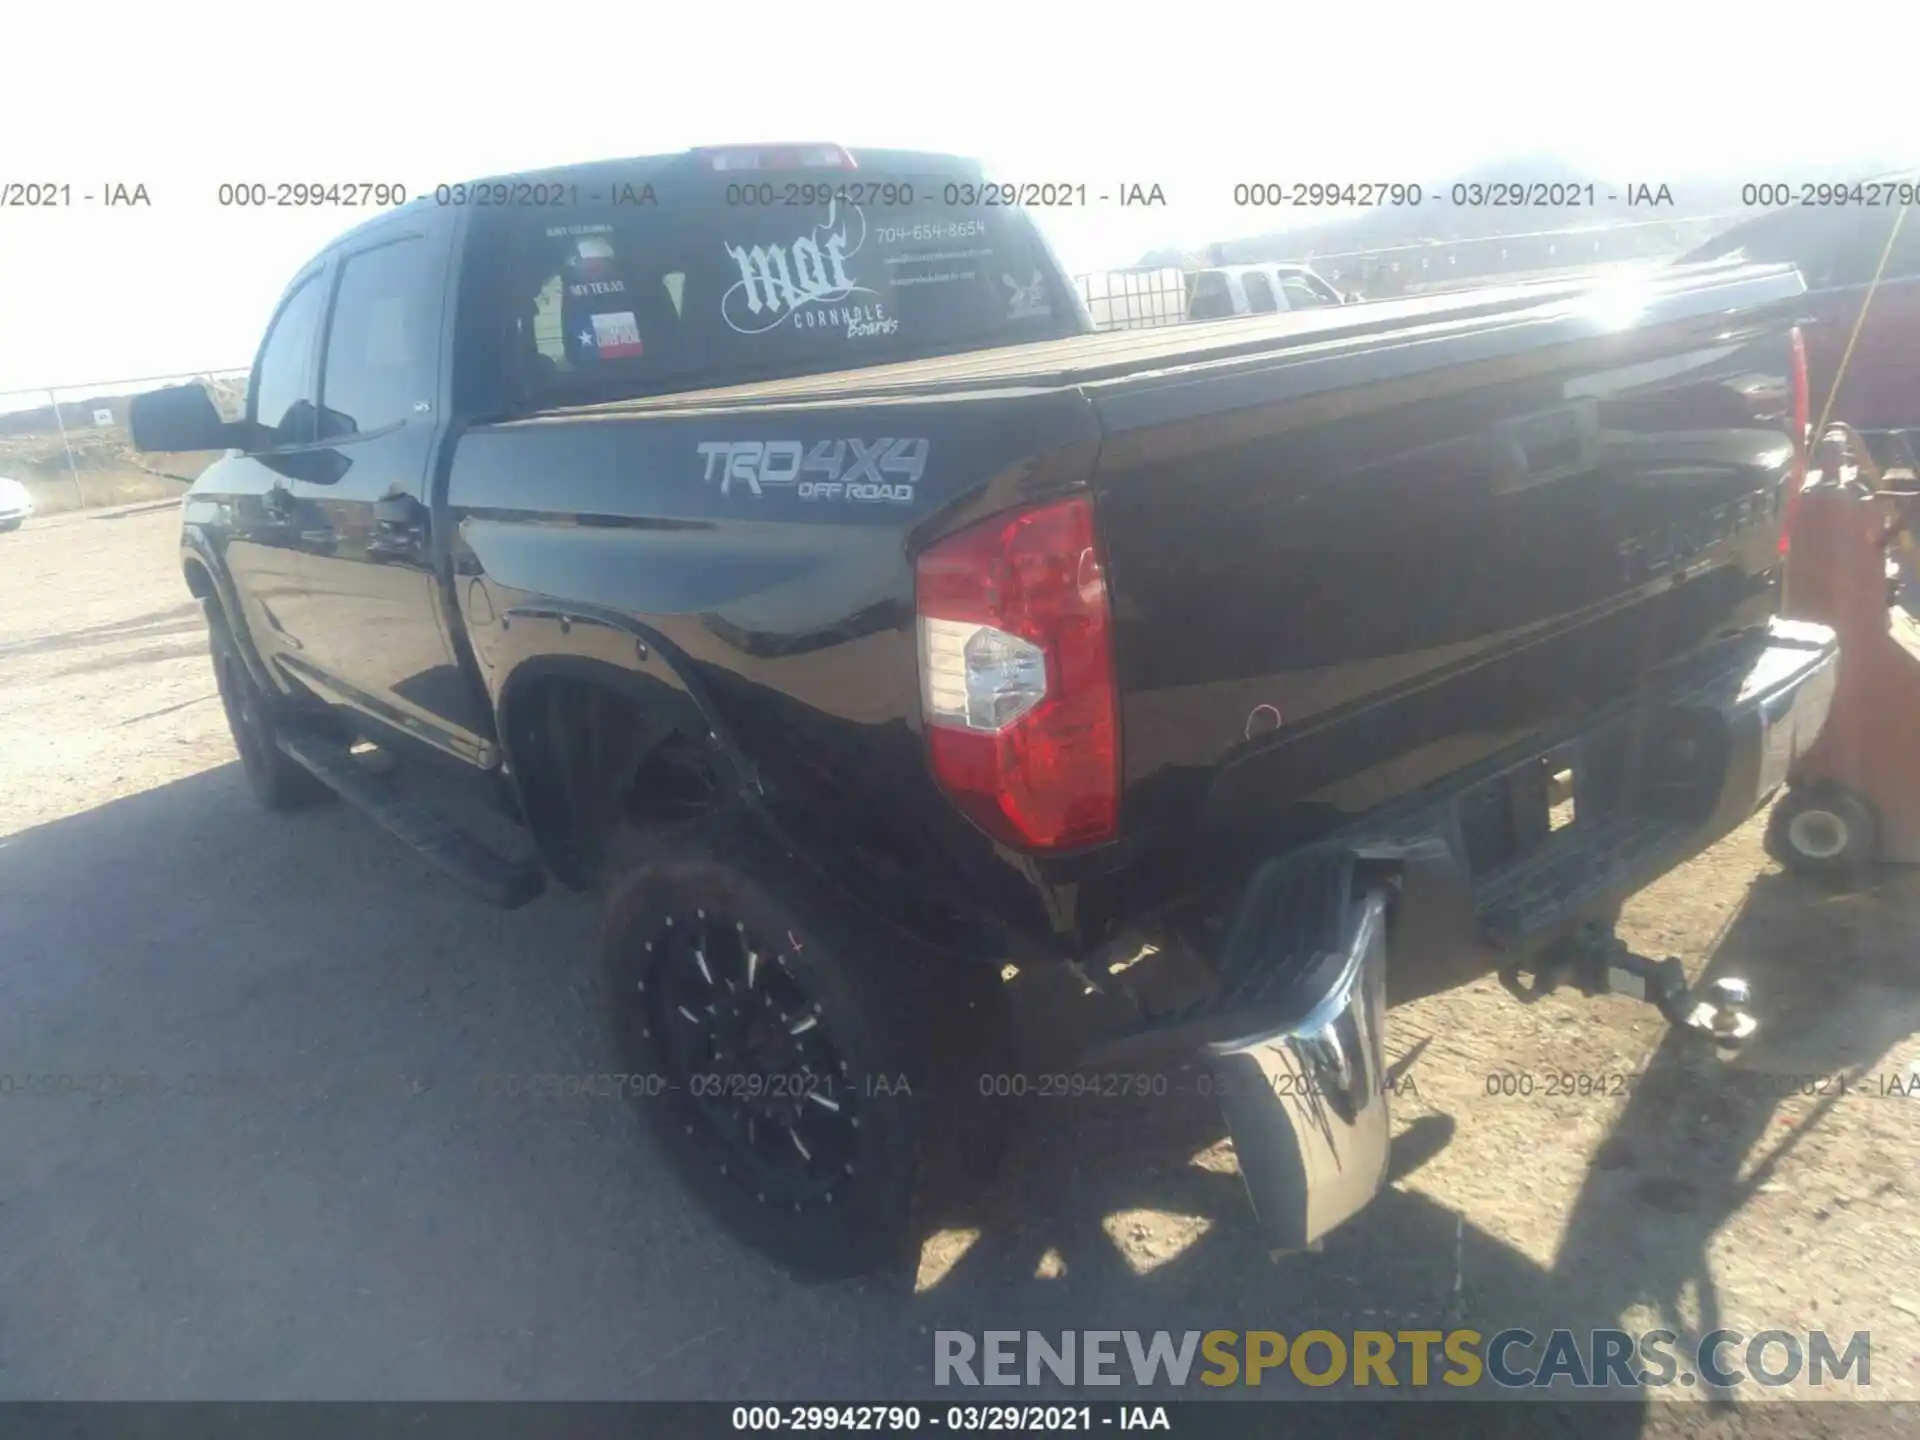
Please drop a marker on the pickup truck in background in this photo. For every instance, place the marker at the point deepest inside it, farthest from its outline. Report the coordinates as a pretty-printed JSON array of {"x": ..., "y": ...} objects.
[
  {"x": 1257, "y": 289},
  {"x": 761, "y": 536}
]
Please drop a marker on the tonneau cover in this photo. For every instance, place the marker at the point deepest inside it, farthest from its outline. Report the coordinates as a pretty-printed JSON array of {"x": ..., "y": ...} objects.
[{"x": 1662, "y": 294}]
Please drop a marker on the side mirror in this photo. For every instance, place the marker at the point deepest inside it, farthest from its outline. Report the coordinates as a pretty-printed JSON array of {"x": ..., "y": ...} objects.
[{"x": 179, "y": 418}]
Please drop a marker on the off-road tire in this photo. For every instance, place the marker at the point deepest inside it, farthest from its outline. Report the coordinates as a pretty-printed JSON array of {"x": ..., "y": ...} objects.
[{"x": 910, "y": 1030}]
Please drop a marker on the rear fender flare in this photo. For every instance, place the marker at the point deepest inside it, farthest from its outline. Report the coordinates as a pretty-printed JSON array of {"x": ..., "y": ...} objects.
[{"x": 541, "y": 641}]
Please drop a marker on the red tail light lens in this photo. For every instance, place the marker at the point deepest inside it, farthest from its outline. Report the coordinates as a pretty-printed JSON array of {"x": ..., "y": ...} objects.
[
  {"x": 1016, "y": 677},
  {"x": 1797, "y": 476}
]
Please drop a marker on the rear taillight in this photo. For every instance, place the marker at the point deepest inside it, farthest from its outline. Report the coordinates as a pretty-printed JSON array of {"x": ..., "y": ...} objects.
[
  {"x": 1016, "y": 677},
  {"x": 1797, "y": 476}
]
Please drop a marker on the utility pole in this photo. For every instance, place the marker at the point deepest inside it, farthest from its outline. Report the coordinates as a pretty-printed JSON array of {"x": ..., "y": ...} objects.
[{"x": 72, "y": 469}]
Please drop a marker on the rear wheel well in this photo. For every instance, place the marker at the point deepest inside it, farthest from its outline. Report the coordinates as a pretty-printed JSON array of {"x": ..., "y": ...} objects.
[{"x": 600, "y": 775}]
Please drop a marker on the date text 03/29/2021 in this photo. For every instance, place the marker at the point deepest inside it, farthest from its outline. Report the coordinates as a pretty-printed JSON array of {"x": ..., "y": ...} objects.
[{"x": 950, "y": 1419}]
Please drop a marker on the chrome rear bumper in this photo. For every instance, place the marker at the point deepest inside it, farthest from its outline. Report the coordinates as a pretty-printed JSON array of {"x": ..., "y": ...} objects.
[
  {"x": 1307, "y": 1101},
  {"x": 1294, "y": 1035},
  {"x": 1304, "y": 1073}
]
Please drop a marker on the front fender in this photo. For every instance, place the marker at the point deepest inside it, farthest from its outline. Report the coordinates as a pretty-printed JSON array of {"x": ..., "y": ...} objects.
[{"x": 208, "y": 581}]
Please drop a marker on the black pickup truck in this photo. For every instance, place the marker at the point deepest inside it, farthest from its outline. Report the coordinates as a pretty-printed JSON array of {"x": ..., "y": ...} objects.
[{"x": 763, "y": 536}]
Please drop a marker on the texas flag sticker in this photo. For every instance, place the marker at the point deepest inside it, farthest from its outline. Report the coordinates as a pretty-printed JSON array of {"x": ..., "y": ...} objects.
[{"x": 615, "y": 336}]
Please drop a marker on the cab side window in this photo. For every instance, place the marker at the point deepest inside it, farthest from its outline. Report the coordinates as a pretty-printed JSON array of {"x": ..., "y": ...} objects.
[
  {"x": 1259, "y": 293},
  {"x": 283, "y": 408},
  {"x": 1301, "y": 294},
  {"x": 1328, "y": 295},
  {"x": 381, "y": 352}
]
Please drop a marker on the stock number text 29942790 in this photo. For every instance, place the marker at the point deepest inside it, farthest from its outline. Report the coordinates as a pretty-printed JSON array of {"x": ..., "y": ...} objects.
[
  {"x": 1867, "y": 194},
  {"x": 768, "y": 194},
  {"x": 1363, "y": 194},
  {"x": 289, "y": 194}
]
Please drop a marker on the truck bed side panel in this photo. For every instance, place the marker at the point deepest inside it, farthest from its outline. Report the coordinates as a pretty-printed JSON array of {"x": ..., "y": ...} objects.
[{"x": 730, "y": 544}]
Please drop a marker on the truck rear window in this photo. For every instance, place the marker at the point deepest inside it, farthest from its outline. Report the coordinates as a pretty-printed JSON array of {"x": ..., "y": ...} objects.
[{"x": 634, "y": 300}]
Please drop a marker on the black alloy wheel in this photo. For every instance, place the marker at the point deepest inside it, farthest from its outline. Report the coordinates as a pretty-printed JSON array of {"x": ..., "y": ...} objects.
[
  {"x": 751, "y": 1053},
  {"x": 812, "y": 1075}
]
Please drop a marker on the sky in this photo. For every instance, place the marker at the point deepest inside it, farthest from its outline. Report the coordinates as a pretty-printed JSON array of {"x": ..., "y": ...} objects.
[{"x": 1190, "y": 99}]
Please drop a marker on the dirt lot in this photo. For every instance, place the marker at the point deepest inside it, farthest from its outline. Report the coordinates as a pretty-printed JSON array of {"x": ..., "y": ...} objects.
[
  {"x": 348, "y": 1215},
  {"x": 105, "y": 471}
]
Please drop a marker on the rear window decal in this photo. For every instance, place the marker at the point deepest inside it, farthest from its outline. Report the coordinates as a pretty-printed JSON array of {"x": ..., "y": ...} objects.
[
  {"x": 782, "y": 282},
  {"x": 1028, "y": 299},
  {"x": 612, "y": 337},
  {"x": 593, "y": 259},
  {"x": 718, "y": 290}
]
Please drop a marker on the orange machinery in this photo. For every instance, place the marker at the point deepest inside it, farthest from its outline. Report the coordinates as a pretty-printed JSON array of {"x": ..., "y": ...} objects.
[{"x": 1853, "y": 799}]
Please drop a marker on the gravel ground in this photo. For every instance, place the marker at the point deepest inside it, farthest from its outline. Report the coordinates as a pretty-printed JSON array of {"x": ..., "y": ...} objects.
[{"x": 320, "y": 1201}]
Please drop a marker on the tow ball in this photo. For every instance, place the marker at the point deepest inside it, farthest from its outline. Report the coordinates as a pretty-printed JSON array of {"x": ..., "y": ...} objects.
[{"x": 1598, "y": 962}]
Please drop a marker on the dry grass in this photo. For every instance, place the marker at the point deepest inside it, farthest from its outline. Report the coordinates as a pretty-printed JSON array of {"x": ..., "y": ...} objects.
[{"x": 105, "y": 470}]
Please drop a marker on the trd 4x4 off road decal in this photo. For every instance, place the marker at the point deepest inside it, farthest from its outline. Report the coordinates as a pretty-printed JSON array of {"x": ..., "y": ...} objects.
[{"x": 868, "y": 471}]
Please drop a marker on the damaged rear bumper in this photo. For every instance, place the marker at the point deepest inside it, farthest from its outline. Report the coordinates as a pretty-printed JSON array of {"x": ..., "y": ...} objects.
[
  {"x": 1307, "y": 1103},
  {"x": 1295, "y": 1036}
]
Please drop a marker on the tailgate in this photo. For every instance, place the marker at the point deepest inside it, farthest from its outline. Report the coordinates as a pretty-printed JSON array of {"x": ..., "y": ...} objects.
[{"x": 1348, "y": 575}]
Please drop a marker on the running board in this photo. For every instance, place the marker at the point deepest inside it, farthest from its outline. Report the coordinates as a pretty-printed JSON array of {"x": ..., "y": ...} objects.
[{"x": 436, "y": 836}]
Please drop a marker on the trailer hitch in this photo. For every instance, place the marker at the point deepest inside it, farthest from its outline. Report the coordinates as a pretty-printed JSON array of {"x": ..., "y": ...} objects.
[{"x": 1598, "y": 962}]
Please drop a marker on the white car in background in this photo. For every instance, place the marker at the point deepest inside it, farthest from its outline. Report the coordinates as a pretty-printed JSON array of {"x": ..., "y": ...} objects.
[{"x": 16, "y": 504}]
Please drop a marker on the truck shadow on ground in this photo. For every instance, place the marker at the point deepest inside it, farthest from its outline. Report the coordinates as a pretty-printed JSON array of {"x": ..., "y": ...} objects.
[
  {"x": 1837, "y": 990},
  {"x": 181, "y": 929},
  {"x": 1124, "y": 1216}
]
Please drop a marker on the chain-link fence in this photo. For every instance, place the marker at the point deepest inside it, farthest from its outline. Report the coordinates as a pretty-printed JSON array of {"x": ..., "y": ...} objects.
[
  {"x": 1134, "y": 299},
  {"x": 69, "y": 444}
]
